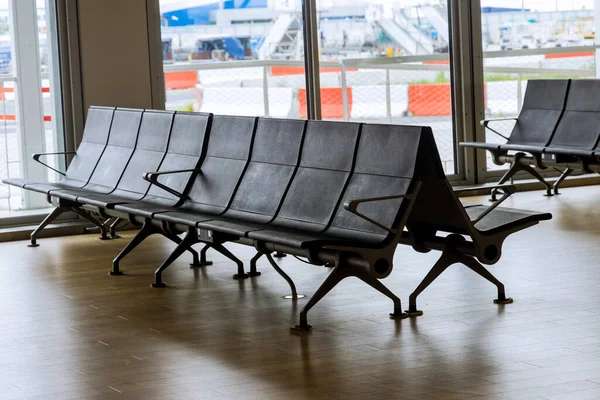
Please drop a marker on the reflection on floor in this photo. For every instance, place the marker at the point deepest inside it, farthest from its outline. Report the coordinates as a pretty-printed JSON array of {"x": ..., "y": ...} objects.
[{"x": 70, "y": 331}]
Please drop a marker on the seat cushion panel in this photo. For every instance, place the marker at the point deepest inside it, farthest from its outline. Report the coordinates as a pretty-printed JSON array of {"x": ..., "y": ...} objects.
[
  {"x": 142, "y": 208},
  {"x": 47, "y": 187},
  {"x": 285, "y": 237},
  {"x": 504, "y": 219},
  {"x": 534, "y": 127},
  {"x": 303, "y": 240},
  {"x": 569, "y": 151},
  {"x": 105, "y": 200},
  {"x": 523, "y": 147},
  {"x": 189, "y": 218},
  {"x": 230, "y": 227}
]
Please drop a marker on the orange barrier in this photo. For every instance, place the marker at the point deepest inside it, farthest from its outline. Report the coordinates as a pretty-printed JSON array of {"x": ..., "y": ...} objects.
[
  {"x": 332, "y": 105},
  {"x": 568, "y": 55},
  {"x": 284, "y": 71},
  {"x": 12, "y": 90},
  {"x": 12, "y": 117},
  {"x": 440, "y": 62},
  {"x": 430, "y": 100},
  {"x": 181, "y": 80}
]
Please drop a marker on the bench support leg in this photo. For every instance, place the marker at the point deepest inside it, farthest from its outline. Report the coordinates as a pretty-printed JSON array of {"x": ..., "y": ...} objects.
[
  {"x": 184, "y": 245},
  {"x": 253, "y": 271},
  {"x": 103, "y": 230},
  {"x": 113, "y": 229},
  {"x": 561, "y": 178},
  {"x": 339, "y": 273},
  {"x": 517, "y": 167},
  {"x": 448, "y": 258},
  {"x": 146, "y": 230},
  {"x": 203, "y": 262},
  {"x": 51, "y": 217},
  {"x": 196, "y": 263},
  {"x": 285, "y": 276},
  {"x": 241, "y": 274}
]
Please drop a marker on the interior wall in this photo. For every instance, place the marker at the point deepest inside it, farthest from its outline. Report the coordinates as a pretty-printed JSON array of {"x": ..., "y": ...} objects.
[{"x": 114, "y": 53}]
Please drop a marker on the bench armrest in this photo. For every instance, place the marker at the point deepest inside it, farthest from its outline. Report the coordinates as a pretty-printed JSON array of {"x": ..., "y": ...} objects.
[
  {"x": 509, "y": 188},
  {"x": 507, "y": 191},
  {"x": 152, "y": 177},
  {"x": 36, "y": 157},
  {"x": 486, "y": 122},
  {"x": 352, "y": 206}
]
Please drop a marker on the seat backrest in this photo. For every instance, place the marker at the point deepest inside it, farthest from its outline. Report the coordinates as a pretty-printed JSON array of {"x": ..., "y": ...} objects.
[
  {"x": 93, "y": 143},
  {"x": 226, "y": 159},
  {"x": 275, "y": 156},
  {"x": 325, "y": 165},
  {"x": 187, "y": 148},
  {"x": 121, "y": 143},
  {"x": 385, "y": 166},
  {"x": 436, "y": 207},
  {"x": 580, "y": 124},
  {"x": 153, "y": 139},
  {"x": 542, "y": 108}
]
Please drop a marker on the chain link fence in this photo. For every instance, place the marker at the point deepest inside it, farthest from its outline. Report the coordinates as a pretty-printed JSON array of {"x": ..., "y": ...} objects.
[{"x": 406, "y": 91}]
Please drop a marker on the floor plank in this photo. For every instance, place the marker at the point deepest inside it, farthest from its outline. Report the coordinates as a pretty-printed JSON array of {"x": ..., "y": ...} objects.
[{"x": 70, "y": 331}]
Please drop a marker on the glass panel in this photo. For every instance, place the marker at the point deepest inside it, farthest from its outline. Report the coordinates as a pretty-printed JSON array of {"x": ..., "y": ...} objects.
[
  {"x": 552, "y": 34},
  {"x": 9, "y": 143},
  {"x": 360, "y": 81},
  {"x": 12, "y": 134},
  {"x": 50, "y": 88},
  {"x": 203, "y": 44}
]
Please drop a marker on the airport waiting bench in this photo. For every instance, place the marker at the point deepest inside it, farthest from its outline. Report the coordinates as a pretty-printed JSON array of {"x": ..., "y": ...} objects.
[
  {"x": 558, "y": 127},
  {"x": 329, "y": 192}
]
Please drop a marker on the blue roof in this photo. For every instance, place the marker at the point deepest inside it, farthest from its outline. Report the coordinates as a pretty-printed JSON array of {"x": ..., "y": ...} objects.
[
  {"x": 500, "y": 9},
  {"x": 199, "y": 15}
]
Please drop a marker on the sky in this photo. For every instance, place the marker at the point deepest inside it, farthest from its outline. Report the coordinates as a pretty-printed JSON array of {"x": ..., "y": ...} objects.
[
  {"x": 4, "y": 4},
  {"x": 540, "y": 5}
]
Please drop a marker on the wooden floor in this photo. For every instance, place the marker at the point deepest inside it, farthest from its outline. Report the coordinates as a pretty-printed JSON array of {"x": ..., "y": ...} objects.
[{"x": 69, "y": 331}]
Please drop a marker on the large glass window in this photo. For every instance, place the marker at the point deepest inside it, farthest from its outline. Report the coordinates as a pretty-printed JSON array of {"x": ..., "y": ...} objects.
[
  {"x": 234, "y": 57},
  {"x": 29, "y": 84},
  {"x": 531, "y": 39},
  {"x": 388, "y": 62}
]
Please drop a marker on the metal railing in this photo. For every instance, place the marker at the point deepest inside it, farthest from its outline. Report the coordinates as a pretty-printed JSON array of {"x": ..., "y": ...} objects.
[
  {"x": 382, "y": 81},
  {"x": 401, "y": 63}
]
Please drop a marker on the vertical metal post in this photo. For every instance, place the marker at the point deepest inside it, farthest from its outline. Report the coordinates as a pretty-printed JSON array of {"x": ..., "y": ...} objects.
[
  {"x": 345, "y": 92},
  {"x": 596, "y": 38},
  {"x": 467, "y": 67},
  {"x": 157, "y": 74},
  {"x": 266, "y": 89},
  {"x": 311, "y": 59},
  {"x": 54, "y": 76},
  {"x": 28, "y": 93},
  {"x": 519, "y": 92},
  {"x": 5, "y": 126},
  {"x": 388, "y": 95}
]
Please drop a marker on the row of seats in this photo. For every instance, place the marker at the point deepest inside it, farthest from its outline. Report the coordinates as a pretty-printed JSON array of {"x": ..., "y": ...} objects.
[
  {"x": 338, "y": 193},
  {"x": 557, "y": 127}
]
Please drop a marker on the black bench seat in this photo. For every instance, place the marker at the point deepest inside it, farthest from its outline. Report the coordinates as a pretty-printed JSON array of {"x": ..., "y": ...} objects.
[
  {"x": 502, "y": 218},
  {"x": 337, "y": 193},
  {"x": 353, "y": 200},
  {"x": 557, "y": 127}
]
